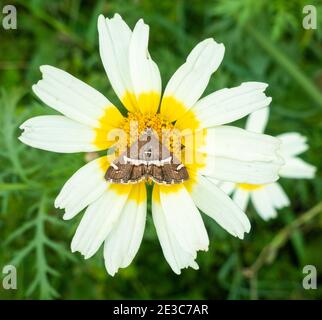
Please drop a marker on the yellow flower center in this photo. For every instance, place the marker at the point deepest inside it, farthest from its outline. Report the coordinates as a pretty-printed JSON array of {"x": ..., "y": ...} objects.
[
  {"x": 249, "y": 187},
  {"x": 136, "y": 123}
]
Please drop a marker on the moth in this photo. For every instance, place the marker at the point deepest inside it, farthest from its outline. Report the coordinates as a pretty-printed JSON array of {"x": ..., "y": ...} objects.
[{"x": 147, "y": 159}]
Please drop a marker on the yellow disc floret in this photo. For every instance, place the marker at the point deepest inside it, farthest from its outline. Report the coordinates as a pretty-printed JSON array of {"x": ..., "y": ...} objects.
[{"x": 136, "y": 123}]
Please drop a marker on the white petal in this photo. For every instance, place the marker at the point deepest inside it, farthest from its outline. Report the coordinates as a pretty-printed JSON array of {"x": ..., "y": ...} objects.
[
  {"x": 70, "y": 96},
  {"x": 145, "y": 73},
  {"x": 257, "y": 121},
  {"x": 293, "y": 144},
  {"x": 184, "y": 220},
  {"x": 84, "y": 187},
  {"x": 237, "y": 143},
  {"x": 241, "y": 198},
  {"x": 114, "y": 45},
  {"x": 99, "y": 219},
  {"x": 227, "y": 105},
  {"x": 191, "y": 79},
  {"x": 252, "y": 172},
  {"x": 216, "y": 204},
  {"x": 278, "y": 196},
  {"x": 58, "y": 134},
  {"x": 263, "y": 203},
  {"x": 124, "y": 240},
  {"x": 297, "y": 168},
  {"x": 175, "y": 255},
  {"x": 226, "y": 186}
]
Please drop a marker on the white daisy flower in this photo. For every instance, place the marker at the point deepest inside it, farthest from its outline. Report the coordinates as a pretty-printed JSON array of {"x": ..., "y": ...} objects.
[
  {"x": 116, "y": 213},
  {"x": 267, "y": 198}
]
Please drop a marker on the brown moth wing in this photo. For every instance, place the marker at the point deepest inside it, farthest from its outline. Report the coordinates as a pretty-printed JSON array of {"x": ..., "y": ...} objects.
[
  {"x": 172, "y": 175},
  {"x": 147, "y": 149},
  {"x": 155, "y": 173},
  {"x": 120, "y": 175},
  {"x": 183, "y": 173},
  {"x": 138, "y": 173}
]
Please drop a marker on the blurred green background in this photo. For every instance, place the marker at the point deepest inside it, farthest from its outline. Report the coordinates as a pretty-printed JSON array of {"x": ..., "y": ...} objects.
[{"x": 265, "y": 41}]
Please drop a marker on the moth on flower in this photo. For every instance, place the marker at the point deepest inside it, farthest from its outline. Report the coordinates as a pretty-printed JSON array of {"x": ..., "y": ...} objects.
[
  {"x": 201, "y": 146},
  {"x": 266, "y": 198}
]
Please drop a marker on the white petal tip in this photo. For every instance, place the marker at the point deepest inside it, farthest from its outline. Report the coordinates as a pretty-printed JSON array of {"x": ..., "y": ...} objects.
[
  {"x": 204, "y": 248},
  {"x": 222, "y": 46},
  {"x": 255, "y": 85},
  {"x": 314, "y": 169},
  {"x": 241, "y": 236},
  {"x": 263, "y": 85},
  {"x": 101, "y": 23},
  {"x": 35, "y": 88},
  {"x": 117, "y": 16},
  {"x": 43, "y": 68},
  {"x": 85, "y": 255},
  {"x": 267, "y": 219},
  {"x": 195, "y": 265},
  {"x": 211, "y": 41},
  {"x": 57, "y": 201},
  {"x": 101, "y": 18},
  {"x": 23, "y": 126},
  {"x": 247, "y": 225},
  {"x": 73, "y": 246},
  {"x": 69, "y": 214},
  {"x": 23, "y": 140},
  {"x": 111, "y": 271},
  {"x": 66, "y": 216},
  {"x": 208, "y": 40}
]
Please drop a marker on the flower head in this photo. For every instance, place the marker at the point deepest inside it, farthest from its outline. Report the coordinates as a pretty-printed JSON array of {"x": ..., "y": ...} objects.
[
  {"x": 116, "y": 212},
  {"x": 266, "y": 198}
]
